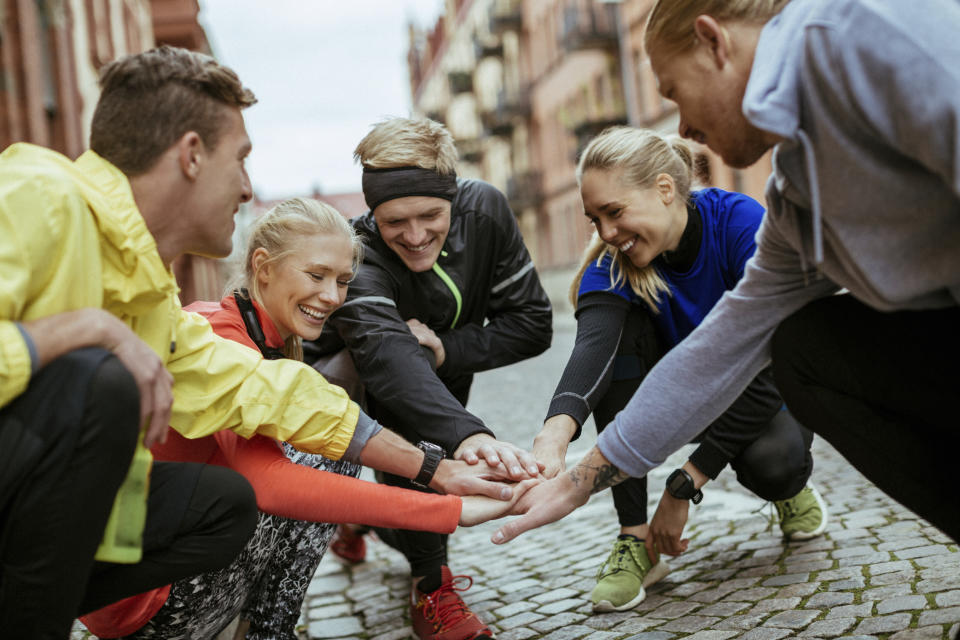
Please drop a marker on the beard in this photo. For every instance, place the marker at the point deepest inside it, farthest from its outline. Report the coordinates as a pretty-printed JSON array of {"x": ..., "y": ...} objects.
[{"x": 747, "y": 148}]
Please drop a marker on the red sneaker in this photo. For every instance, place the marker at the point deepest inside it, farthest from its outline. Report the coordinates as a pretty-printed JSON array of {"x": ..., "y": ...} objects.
[
  {"x": 442, "y": 615},
  {"x": 348, "y": 544}
]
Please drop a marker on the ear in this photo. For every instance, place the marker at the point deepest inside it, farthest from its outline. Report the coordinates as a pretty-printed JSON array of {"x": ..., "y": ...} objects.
[
  {"x": 190, "y": 151},
  {"x": 666, "y": 188},
  {"x": 714, "y": 38},
  {"x": 259, "y": 261}
]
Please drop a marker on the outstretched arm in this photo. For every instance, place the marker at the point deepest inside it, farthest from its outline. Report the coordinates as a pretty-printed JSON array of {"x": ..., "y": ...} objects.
[
  {"x": 552, "y": 500},
  {"x": 586, "y": 377}
]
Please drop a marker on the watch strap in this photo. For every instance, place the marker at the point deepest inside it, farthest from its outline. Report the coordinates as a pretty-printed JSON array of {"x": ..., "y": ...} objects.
[
  {"x": 680, "y": 485},
  {"x": 432, "y": 455}
]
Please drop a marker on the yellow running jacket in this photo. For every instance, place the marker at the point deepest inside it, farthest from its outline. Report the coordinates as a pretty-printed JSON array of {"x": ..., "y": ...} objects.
[{"x": 71, "y": 237}]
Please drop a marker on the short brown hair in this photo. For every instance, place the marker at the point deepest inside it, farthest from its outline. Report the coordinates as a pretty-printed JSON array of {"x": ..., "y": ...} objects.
[
  {"x": 670, "y": 23},
  {"x": 408, "y": 142},
  {"x": 149, "y": 100}
]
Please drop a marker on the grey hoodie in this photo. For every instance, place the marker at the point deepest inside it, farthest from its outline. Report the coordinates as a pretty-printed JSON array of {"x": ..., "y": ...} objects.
[{"x": 865, "y": 196}]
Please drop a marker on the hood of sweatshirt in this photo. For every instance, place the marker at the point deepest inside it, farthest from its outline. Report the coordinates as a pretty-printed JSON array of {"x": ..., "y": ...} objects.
[{"x": 772, "y": 97}]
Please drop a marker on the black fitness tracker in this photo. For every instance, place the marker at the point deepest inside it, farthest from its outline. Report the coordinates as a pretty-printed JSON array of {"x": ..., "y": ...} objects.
[
  {"x": 680, "y": 486},
  {"x": 432, "y": 455}
]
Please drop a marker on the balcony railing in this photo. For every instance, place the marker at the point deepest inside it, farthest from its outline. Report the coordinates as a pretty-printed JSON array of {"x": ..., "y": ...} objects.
[
  {"x": 460, "y": 82},
  {"x": 483, "y": 50},
  {"x": 470, "y": 149},
  {"x": 524, "y": 190},
  {"x": 593, "y": 26},
  {"x": 511, "y": 105},
  {"x": 505, "y": 16}
]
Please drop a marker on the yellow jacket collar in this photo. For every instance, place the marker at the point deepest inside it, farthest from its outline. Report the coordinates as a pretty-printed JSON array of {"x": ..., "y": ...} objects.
[{"x": 139, "y": 279}]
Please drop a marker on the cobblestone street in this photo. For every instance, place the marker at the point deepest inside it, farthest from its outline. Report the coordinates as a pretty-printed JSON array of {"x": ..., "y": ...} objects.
[{"x": 878, "y": 572}]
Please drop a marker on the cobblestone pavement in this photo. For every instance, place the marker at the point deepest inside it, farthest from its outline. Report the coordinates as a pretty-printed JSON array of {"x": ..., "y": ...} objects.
[{"x": 878, "y": 571}]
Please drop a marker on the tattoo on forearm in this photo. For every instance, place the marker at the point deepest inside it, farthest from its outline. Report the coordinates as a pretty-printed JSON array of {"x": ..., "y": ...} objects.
[{"x": 600, "y": 477}]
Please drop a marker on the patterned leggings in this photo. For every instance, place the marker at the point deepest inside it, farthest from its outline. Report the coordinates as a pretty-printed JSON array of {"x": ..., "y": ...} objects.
[{"x": 266, "y": 583}]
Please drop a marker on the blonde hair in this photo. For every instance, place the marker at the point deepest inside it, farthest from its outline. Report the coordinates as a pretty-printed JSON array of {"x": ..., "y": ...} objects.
[
  {"x": 639, "y": 155},
  {"x": 408, "y": 142},
  {"x": 670, "y": 25},
  {"x": 275, "y": 231}
]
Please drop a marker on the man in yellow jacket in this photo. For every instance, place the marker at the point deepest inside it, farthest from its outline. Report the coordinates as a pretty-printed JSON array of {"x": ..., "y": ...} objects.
[{"x": 97, "y": 357}]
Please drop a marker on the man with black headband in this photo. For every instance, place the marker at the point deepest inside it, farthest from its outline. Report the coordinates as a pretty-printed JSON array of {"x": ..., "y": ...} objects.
[{"x": 446, "y": 289}]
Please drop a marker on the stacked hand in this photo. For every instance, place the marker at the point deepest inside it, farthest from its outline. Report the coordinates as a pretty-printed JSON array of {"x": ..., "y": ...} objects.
[
  {"x": 478, "y": 509},
  {"x": 550, "y": 445},
  {"x": 460, "y": 478},
  {"x": 489, "y": 467},
  {"x": 542, "y": 504},
  {"x": 514, "y": 462}
]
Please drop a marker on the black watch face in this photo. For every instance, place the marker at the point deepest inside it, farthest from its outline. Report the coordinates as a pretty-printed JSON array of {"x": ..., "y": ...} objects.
[{"x": 677, "y": 486}]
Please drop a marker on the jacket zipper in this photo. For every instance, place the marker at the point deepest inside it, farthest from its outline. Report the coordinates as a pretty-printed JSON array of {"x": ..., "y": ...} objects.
[{"x": 447, "y": 280}]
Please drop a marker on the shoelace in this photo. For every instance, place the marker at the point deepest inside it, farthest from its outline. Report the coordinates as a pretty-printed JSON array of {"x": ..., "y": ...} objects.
[
  {"x": 778, "y": 511},
  {"x": 444, "y": 608},
  {"x": 617, "y": 557}
]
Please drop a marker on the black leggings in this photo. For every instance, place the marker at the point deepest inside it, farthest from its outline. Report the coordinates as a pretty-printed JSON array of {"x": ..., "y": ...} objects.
[
  {"x": 775, "y": 463},
  {"x": 882, "y": 389},
  {"x": 65, "y": 447}
]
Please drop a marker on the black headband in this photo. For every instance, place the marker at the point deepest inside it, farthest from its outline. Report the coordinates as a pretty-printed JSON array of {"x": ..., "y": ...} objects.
[{"x": 380, "y": 185}]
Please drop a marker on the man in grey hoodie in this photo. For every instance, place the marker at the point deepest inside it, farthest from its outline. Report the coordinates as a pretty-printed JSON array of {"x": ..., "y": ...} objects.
[{"x": 860, "y": 100}]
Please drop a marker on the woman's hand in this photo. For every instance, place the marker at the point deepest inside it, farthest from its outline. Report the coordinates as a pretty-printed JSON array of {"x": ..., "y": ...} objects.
[
  {"x": 667, "y": 525},
  {"x": 479, "y": 509},
  {"x": 427, "y": 338},
  {"x": 550, "y": 445}
]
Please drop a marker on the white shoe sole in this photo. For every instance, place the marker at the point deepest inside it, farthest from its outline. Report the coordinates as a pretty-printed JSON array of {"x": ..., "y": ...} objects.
[
  {"x": 656, "y": 573},
  {"x": 806, "y": 535}
]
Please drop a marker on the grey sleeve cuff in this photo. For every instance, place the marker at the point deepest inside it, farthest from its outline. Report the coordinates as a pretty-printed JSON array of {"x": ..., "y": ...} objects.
[
  {"x": 31, "y": 348},
  {"x": 366, "y": 428}
]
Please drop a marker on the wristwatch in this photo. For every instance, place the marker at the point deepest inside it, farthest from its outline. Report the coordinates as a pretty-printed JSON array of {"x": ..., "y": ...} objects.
[
  {"x": 432, "y": 455},
  {"x": 680, "y": 486}
]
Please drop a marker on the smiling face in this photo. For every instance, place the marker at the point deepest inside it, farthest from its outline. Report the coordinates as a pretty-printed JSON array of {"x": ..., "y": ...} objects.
[
  {"x": 640, "y": 223},
  {"x": 415, "y": 228},
  {"x": 709, "y": 102},
  {"x": 221, "y": 185},
  {"x": 303, "y": 288}
]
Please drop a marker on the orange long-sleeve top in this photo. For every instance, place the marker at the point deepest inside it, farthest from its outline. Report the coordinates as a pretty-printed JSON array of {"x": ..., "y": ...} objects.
[
  {"x": 295, "y": 491},
  {"x": 282, "y": 487}
]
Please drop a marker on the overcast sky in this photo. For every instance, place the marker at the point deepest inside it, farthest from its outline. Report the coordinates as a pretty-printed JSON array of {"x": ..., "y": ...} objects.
[{"x": 323, "y": 71}]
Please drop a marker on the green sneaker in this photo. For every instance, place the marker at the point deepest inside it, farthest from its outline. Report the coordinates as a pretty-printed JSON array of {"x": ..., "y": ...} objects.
[
  {"x": 803, "y": 516},
  {"x": 624, "y": 575}
]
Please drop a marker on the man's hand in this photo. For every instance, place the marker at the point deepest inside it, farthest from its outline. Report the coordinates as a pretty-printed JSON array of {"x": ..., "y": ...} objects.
[
  {"x": 153, "y": 380},
  {"x": 545, "y": 503},
  {"x": 552, "y": 500},
  {"x": 518, "y": 463},
  {"x": 667, "y": 527},
  {"x": 478, "y": 509},
  {"x": 427, "y": 338},
  {"x": 459, "y": 478},
  {"x": 61, "y": 333},
  {"x": 550, "y": 445}
]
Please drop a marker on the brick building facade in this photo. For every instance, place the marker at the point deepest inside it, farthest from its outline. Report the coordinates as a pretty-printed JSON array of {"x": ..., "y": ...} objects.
[{"x": 523, "y": 85}]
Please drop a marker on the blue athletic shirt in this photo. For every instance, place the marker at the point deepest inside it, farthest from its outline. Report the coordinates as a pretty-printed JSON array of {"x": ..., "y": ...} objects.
[{"x": 730, "y": 222}]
